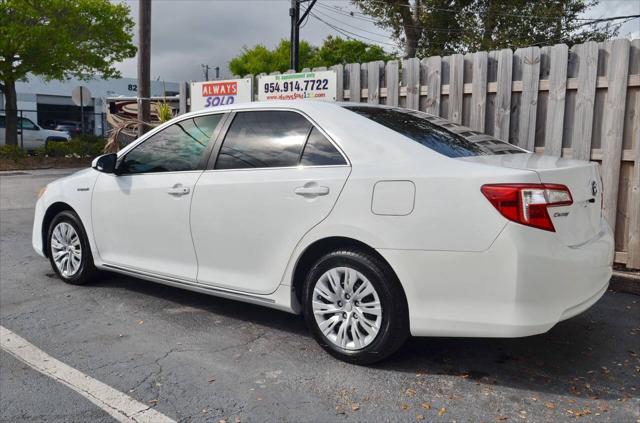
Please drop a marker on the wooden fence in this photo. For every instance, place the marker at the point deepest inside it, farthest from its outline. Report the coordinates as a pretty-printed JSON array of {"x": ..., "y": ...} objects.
[{"x": 581, "y": 102}]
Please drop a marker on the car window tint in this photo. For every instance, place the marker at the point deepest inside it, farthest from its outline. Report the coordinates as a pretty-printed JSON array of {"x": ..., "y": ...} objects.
[
  {"x": 178, "y": 147},
  {"x": 2, "y": 124},
  {"x": 320, "y": 152},
  {"x": 445, "y": 137},
  {"x": 27, "y": 124},
  {"x": 263, "y": 139}
]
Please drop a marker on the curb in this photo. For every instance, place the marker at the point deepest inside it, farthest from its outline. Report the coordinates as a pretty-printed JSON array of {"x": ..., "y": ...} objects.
[{"x": 625, "y": 282}]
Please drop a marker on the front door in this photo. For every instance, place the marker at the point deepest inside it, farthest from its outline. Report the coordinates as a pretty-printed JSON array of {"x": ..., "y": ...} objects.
[
  {"x": 141, "y": 214},
  {"x": 276, "y": 177}
]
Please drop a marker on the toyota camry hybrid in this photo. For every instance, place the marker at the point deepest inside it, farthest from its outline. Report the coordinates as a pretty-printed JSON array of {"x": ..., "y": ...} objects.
[{"x": 374, "y": 222}]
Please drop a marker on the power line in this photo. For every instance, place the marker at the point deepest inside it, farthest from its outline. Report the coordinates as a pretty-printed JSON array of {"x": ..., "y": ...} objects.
[{"x": 350, "y": 35}]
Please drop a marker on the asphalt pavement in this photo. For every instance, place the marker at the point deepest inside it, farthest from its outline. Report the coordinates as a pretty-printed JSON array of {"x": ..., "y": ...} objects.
[{"x": 196, "y": 358}]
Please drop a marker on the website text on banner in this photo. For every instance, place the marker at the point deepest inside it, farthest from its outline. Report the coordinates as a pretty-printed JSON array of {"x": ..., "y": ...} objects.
[
  {"x": 211, "y": 94},
  {"x": 298, "y": 86}
]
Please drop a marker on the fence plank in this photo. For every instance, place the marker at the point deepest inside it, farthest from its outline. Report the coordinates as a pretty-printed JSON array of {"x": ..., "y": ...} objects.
[
  {"x": 339, "y": 69},
  {"x": 373, "y": 81},
  {"x": 617, "y": 71},
  {"x": 393, "y": 83},
  {"x": 585, "y": 100},
  {"x": 503, "y": 95},
  {"x": 530, "y": 63},
  {"x": 557, "y": 94},
  {"x": 354, "y": 82},
  {"x": 411, "y": 77},
  {"x": 456, "y": 87},
  {"x": 479, "y": 91},
  {"x": 633, "y": 246},
  {"x": 434, "y": 71}
]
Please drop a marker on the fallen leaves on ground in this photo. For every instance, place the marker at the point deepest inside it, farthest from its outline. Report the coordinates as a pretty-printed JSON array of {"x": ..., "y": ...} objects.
[
  {"x": 355, "y": 407},
  {"x": 426, "y": 406},
  {"x": 550, "y": 405},
  {"x": 419, "y": 417},
  {"x": 405, "y": 406},
  {"x": 442, "y": 412},
  {"x": 411, "y": 392}
]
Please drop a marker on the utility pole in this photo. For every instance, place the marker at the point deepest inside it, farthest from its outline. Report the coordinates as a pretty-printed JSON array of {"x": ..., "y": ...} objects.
[
  {"x": 205, "y": 71},
  {"x": 144, "y": 64},
  {"x": 296, "y": 20}
]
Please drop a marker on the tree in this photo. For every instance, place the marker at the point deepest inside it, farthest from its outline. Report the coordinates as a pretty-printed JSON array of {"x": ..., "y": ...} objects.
[
  {"x": 58, "y": 39},
  {"x": 436, "y": 27},
  {"x": 334, "y": 50}
]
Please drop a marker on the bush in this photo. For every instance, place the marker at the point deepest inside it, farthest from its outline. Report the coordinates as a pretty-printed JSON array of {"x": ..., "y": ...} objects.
[
  {"x": 12, "y": 152},
  {"x": 75, "y": 147}
]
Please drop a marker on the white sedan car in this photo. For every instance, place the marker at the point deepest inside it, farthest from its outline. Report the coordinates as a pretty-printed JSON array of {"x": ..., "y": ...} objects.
[{"x": 374, "y": 222}]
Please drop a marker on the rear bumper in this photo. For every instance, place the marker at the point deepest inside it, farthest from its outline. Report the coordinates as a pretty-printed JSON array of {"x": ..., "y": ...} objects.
[{"x": 524, "y": 284}]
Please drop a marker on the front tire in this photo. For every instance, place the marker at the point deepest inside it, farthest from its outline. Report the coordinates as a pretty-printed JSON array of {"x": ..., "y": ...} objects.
[
  {"x": 68, "y": 249},
  {"x": 355, "y": 307}
]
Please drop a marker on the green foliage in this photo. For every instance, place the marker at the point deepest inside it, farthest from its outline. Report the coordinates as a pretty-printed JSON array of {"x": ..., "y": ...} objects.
[
  {"x": 164, "y": 111},
  {"x": 334, "y": 50},
  {"x": 75, "y": 147},
  {"x": 12, "y": 152},
  {"x": 56, "y": 39},
  {"x": 260, "y": 59},
  {"x": 440, "y": 27}
]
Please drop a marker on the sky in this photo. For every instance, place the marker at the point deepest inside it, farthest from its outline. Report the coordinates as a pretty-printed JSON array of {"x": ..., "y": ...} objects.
[{"x": 188, "y": 33}]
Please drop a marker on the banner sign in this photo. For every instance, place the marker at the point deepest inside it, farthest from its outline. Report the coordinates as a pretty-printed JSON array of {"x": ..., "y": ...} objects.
[
  {"x": 211, "y": 94},
  {"x": 319, "y": 85}
]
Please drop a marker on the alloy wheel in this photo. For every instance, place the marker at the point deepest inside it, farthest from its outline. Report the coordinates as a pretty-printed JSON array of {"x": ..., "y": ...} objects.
[{"x": 66, "y": 249}]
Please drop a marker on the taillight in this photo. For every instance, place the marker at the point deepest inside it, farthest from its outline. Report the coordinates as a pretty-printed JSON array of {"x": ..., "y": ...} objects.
[{"x": 527, "y": 203}]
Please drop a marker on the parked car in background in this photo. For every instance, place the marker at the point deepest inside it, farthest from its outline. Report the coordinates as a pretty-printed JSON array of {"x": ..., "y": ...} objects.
[
  {"x": 72, "y": 128},
  {"x": 374, "y": 222},
  {"x": 30, "y": 135}
]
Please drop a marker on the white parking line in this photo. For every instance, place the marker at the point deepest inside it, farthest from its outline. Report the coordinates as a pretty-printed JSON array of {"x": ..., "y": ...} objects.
[{"x": 120, "y": 406}]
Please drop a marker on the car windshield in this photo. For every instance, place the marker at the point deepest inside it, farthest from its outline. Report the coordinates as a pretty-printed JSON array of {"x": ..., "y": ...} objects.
[{"x": 438, "y": 134}]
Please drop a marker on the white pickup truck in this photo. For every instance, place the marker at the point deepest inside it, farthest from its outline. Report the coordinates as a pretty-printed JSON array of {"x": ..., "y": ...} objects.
[{"x": 33, "y": 136}]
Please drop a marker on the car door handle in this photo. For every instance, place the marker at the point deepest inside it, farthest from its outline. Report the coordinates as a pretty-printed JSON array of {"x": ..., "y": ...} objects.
[
  {"x": 311, "y": 190},
  {"x": 178, "y": 190}
]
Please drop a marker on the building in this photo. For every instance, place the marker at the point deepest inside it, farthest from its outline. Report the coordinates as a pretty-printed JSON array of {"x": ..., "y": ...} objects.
[{"x": 49, "y": 103}]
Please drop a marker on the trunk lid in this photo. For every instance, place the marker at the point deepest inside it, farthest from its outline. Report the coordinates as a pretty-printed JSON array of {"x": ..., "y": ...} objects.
[{"x": 574, "y": 224}]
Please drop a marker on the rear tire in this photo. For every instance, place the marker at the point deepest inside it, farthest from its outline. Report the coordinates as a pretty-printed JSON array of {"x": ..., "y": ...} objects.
[
  {"x": 355, "y": 306},
  {"x": 69, "y": 250}
]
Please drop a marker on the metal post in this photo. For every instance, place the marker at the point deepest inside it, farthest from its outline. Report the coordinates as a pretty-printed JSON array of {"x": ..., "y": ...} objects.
[
  {"x": 217, "y": 72},
  {"x": 21, "y": 131},
  {"x": 81, "y": 111}
]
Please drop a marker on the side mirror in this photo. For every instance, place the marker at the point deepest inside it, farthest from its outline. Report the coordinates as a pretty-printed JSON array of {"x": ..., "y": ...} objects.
[{"x": 105, "y": 163}]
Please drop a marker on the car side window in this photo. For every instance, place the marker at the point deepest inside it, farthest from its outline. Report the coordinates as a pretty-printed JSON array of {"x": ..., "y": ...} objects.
[
  {"x": 27, "y": 124},
  {"x": 263, "y": 139},
  {"x": 176, "y": 148},
  {"x": 320, "y": 152},
  {"x": 2, "y": 124}
]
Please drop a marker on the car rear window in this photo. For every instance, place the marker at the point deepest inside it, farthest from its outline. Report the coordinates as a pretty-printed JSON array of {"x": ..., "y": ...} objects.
[{"x": 438, "y": 134}]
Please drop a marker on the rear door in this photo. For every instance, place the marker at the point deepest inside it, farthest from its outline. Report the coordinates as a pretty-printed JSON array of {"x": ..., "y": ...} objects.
[{"x": 274, "y": 176}]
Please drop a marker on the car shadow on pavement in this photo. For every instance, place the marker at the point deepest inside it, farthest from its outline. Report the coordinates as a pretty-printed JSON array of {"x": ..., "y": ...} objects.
[{"x": 592, "y": 356}]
